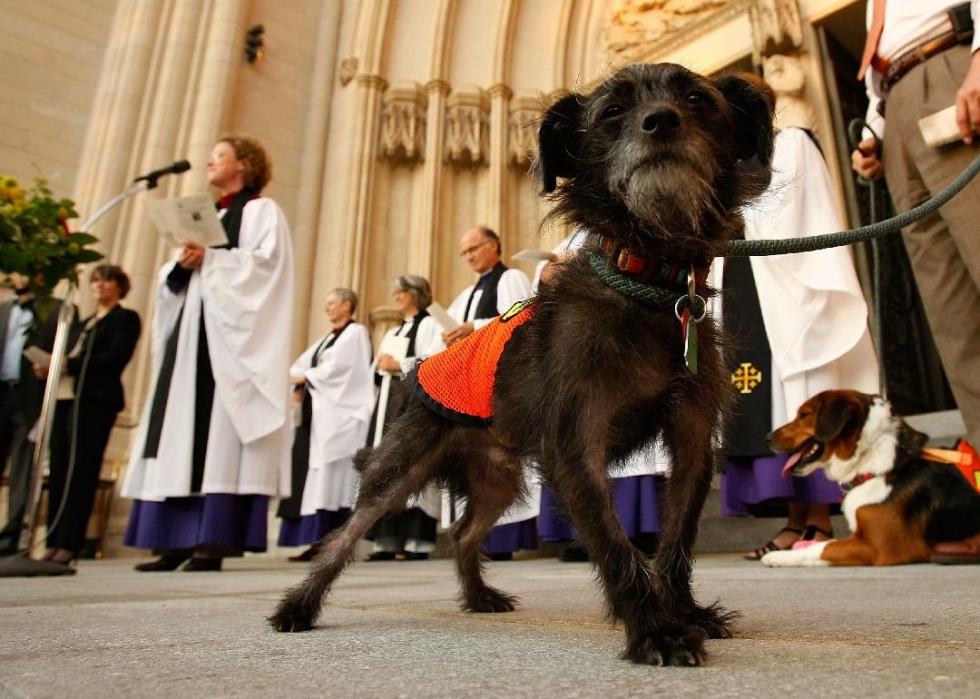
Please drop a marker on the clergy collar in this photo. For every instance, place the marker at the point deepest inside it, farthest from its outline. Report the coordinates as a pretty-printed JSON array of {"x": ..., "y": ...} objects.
[
  {"x": 486, "y": 275},
  {"x": 648, "y": 269},
  {"x": 225, "y": 201}
]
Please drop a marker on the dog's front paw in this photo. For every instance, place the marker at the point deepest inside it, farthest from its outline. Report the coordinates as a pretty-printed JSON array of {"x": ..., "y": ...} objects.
[
  {"x": 796, "y": 558},
  {"x": 291, "y": 616},
  {"x": 489, "y": 600},
  {"x": 669, "y": 644},
  {"x": 714, "y": 620}
]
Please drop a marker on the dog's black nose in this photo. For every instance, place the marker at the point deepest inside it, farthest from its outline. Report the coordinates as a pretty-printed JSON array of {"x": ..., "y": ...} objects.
[{"x": 661, "y": 121}]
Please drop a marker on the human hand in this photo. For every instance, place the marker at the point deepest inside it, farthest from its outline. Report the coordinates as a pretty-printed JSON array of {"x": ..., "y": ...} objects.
[
  {"x": 296, "y": 395},
  {"x": 457, "y": 333},
  {"x": 191, "y": 255},
  {"x": 388, "y": 363},
  {"x": 968, "y": 101},
  {"x": 297, "y": 380},
  {"x": 865, "y": 161},
  {"x": 41, "y": 371}
]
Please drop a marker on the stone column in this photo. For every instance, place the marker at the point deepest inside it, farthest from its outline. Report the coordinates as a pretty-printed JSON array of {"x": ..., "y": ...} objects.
[
  {"x": 105, "y": 164},
  {"x": 361, "y": 177},
  {"x": 312, "y": 174},
  {"x": 500, "y": 96},
  {"x": 211, "y": 94},
  {"x": 424, "y": 232}
]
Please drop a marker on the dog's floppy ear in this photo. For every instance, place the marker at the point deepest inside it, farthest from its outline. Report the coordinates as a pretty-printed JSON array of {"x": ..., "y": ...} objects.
[
  {"x": 558, "y": 143},
  {"x": 834, "y": 415},
  {"x": 752, "y": 111}
]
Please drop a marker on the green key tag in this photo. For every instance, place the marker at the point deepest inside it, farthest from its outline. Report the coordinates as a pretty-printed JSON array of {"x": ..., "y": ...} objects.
[{"x": 690, "y": 331}]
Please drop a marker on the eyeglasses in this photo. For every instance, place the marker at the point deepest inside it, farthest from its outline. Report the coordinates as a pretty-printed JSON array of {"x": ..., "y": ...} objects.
[{"x": 473, "y": 248}]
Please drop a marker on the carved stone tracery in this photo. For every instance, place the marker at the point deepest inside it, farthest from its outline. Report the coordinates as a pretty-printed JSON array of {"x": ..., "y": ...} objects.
[
  {"x": 403, "y": 110},
  {"x": 467, "y": 126},
  {"x": 522, "y": 128}
]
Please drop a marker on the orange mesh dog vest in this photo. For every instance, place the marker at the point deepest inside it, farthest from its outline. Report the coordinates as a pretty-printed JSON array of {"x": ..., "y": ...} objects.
[{"x": 457, "y": 383}]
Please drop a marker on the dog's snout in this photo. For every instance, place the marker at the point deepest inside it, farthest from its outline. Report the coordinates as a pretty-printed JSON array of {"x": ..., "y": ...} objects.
[{"x": 661, "y": 121}]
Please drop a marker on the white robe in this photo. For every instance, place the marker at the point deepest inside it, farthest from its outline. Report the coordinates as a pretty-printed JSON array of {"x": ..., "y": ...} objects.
[
  {"x": 342, "y": 391},
  {"x": 812, "y": 305},
  {"x": 247, "y": 295},
  {"x": 650, "y": 460},
  {"x": 430, "y": 499},
  {"x": 512, "y": 287}
]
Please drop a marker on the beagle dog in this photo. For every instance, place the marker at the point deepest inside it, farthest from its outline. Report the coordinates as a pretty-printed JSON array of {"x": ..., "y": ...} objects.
[{"x": 903, "y": 498}]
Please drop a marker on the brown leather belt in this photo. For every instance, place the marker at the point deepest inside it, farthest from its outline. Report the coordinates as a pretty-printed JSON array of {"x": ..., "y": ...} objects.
[{"x": 894, "y": 71}]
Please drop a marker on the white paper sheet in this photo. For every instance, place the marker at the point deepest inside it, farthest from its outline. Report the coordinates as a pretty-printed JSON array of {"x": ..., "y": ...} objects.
[
  {"x": 187, "y": 218},
  {"x": 442, "y": 317}
]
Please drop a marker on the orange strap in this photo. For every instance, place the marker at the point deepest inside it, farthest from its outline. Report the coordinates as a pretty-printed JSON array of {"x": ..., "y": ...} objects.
[{"x": 947, "y": 456}]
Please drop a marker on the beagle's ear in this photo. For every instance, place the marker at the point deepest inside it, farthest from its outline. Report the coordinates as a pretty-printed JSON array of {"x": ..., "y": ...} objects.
[
  {"x": 839, "y": 416},
  {"x": 752, "y": 126},
  {"x": 558, "y": 142}
]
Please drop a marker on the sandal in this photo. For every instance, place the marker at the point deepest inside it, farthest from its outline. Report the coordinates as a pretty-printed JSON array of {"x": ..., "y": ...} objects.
[
  {"x": 811, "y": 530},
  {"x": 772, "y": 545}
]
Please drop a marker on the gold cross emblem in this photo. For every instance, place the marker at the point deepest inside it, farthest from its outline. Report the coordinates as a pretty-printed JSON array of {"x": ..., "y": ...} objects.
[{"x": 746, "y": 377}]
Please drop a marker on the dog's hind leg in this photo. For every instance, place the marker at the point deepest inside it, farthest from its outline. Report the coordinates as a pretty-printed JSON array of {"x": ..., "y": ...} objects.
[
  {"x": 402, "y": 465},
  {"x": 491, "y": 485},
  {"x": 688, "y": 436}
]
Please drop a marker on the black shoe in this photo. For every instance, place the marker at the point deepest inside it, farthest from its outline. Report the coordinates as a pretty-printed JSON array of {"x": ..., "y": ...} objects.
[
  {"x": 306, "y": 556},
  {"x": 574, "y": 554},
  {"x": 202, "y": 565},
  {"x": 165, "y": 563},
  {"x": 412, "y": 556},
  {"x": 501, "y": 556},
  {"x": 381, "y": 556}
]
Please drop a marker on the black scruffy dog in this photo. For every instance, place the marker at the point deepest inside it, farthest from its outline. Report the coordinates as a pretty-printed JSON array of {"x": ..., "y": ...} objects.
[{"x": 654, "y": 163}]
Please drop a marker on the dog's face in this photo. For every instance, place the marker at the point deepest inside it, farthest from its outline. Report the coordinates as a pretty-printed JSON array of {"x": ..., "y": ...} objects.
[
  {"x": 826, "y": 426},
  {"x": 658, "y": 157}
]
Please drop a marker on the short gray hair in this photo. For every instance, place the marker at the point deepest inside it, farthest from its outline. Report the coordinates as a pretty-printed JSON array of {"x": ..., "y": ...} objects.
[
  {"x": 418, "y": 287},
  {"x": 345, "y": 294}
]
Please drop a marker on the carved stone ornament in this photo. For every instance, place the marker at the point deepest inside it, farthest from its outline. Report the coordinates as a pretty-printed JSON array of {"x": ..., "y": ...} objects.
[
  {"x": 403, "y": 123},
  {"x": 787, "y": 77},
  {"x": 776, "y": 26},
  {"x": 347, "y": 70},
  {"x": 635, "y": 24},
  {"x": 522, "y": 129},
  {"x": 467, "y": 126}
]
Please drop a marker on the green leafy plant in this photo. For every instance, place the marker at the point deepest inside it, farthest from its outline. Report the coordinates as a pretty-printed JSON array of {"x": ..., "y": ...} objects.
[{"x": 35, "y": 239}]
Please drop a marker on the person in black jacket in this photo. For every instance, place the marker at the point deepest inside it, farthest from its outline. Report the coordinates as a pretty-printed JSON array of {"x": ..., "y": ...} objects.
[{"x": 100, "y": 349}]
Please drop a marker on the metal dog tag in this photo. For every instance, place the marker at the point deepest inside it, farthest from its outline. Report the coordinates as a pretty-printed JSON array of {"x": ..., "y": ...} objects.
[{"x": 690, "y": 332}]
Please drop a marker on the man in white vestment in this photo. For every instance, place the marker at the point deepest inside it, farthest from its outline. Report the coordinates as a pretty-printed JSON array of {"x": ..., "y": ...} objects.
[
  {"x": 213, "y": 444},
  {"x": 334, "y": 373},
  {"x": 497, "y": 289}
]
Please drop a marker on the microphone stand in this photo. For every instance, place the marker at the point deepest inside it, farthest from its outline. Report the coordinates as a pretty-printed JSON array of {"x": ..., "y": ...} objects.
[{"x": 20, "y": 564}]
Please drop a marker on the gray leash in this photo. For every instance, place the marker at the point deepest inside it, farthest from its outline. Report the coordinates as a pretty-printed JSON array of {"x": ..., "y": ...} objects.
[{"x": 753, "y": 248}]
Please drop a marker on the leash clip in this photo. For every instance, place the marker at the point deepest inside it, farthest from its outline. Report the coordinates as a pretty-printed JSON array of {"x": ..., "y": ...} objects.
[{"x": 690, "y": 310}]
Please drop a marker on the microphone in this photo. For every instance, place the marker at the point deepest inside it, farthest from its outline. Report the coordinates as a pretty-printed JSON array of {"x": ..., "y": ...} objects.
[{"x": 173, "y": 169}]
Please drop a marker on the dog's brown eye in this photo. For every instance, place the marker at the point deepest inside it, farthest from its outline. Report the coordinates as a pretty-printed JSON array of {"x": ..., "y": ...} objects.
[
  {"x": 696, "y": 98},
  {"x": 611, "y": 112}
]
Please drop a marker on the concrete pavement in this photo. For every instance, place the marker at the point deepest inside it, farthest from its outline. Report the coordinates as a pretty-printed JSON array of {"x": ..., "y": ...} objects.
[{"x": 393, "y": 629}]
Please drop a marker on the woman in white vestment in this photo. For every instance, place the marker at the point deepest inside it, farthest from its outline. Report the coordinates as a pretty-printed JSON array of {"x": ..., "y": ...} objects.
[
  {"x": 335, "y": 375},
  {"x": 801, "y": 327},
  {"x": 213, "y": 443},
  {"x": 409, "y": 535}
]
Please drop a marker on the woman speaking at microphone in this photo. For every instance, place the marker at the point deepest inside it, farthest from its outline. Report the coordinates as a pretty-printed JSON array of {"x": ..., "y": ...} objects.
[{"x": 213, "y": 445}]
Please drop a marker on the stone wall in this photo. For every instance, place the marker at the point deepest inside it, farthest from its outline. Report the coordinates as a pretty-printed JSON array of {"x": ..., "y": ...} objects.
[{"x": 50, "y": 55}]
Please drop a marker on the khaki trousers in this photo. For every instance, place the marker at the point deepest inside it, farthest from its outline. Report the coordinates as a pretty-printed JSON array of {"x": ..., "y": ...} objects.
[{"x": 944, "y": 248}]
